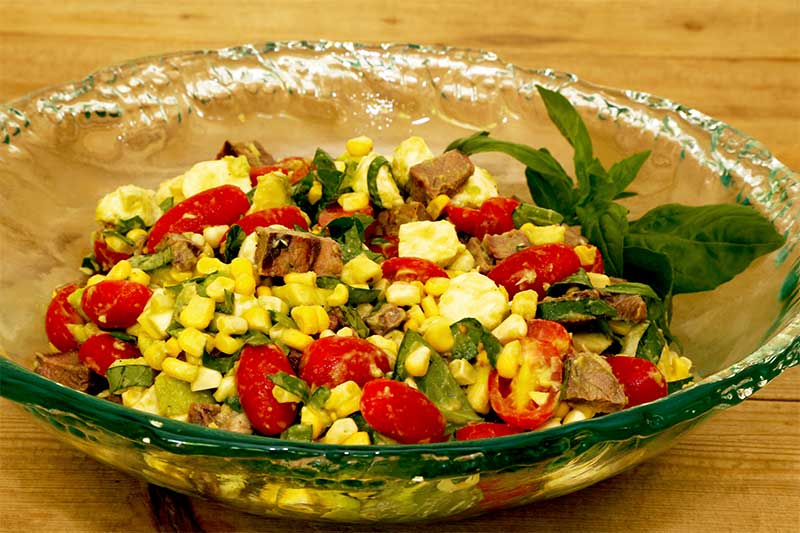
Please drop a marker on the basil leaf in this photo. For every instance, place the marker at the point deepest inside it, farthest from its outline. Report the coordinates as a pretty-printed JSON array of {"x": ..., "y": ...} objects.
[
  {"x": 629, "y": 287},
  {"x": 226, "y": 306},
  {"x": 221, "y": 364},
  {"x": 357, "y": 295},
  {"x": 651, "y": 344},
  {"x": 318, "y": 398},
  {"x": 714, "y": 242},
  {"x": 647, "y": 265},
  {"x": 605, "y": 226},
  {"x": 118, "y": 235},
  {"x": 372, "y": 179},
  {"x": 552, "y": 193},
  {"x": 574, "y": 310},
  {"x": 352, "y": 245},
  {"x": 470, "y": 337},
  {"x": 534, "y": 214},
  {"x": 150, "y": 262},
  {"x": 622, "y": 173},
  {"x": 124, "y": 226},
  {"x": 578, "y": 279},
  {"x": 233, "y": 402},
  {"x": 329, "y": 177},
  {"x": 90, "y": 265},
  {"x": 337, "y": 227},
  {"x": 355, "y": 321},
  {"x": 167, "y": 204},
  {"x": 293, "y": 384},
  {"x": 674, "y": 386},
  {"x": 121, "y": 377},
  {"x": 121, "y": 335},
  {"x": 282, "y": 319},
  {"x": 299, "y": 194},
  {"x": 233, "y": 243},
  {"x": 256, "y": 338}
]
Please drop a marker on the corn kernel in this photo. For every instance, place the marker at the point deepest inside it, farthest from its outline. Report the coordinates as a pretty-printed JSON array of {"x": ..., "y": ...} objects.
[
  {"x": 411, "y": 383},
  {"x": 418, "y": 361},
  {"x": 478, "y": 392},
  {"x": 437, "y": 205},
  {"x": 192, "y": 341},
  {"x": 339, "y": 296},
  {"x": 344, "y": 399},
  {"x": 198, "y": 313},
  {"x": 94, "y": 280},
  {"x": 544, "y": 234},
  {"x": 561, "y": 410},
  {"x": 303, "y": 278},
  {"x": 118, "y": 245},
  {"x": 439, "y": 336},
  {"x": 284, "y": 396},
  {"x": 245, "y": 284},
  {"x": 226, "y": 389},
  {"x": 206, "y": 379},
  {"x": 179, "y": 369},
  {"x": 315, "y": 193},
  {"x": 577, "y": 414},
  {"x": 154, "y": 354},
  {"x": 296, "y": 339},
  {"x": 263, "y": 290},
  {"x": 429, "y": 307},
  {"x": 599, "y": 281},
  {"x": 411, "y": 324},
  {"x": 552, "y": 423},
  {"x": 139, "y": 276},
  {"x": 586, "y": 254},
  {"x": 524, "y": 304},
  {"x": 132, "y": 395},
  {"x": 209, "y": 265},
  {"x": 213, "y": 235},
  {"x": 136, "y": 233},
  {"x": 513, "y": 327},
  {"x": 437, "y": 286},
  {"x": 310, "y": 319},
  {"x": 346, "y": 332},
  {"x": 326, "y": 333},
  {"x": 218, "y": 287},
  {"x": 359, "y": 438},
  {"x": 173, "y": 347},
  {"x": 340, "y": 431},
  {"x": 509, "y": 359},
  {"x": 360, "y": 269},
  {"x": 353, "y": 201},
  {"x": 416, "y": 313},
  {"x": 463, "y": 372},
  {"x": 318, "y": 420},
  {"x": 240, "y": 266},
  {"x": 257, "y": 319},
  {"x": 120, "y": 271},
  {"x": 179, "y": 275},
  {"x": 227, "y": 344},
  {"x": 387, "y": 345},
  {"x": 359, "y": 146},
  {"x": 232, "y": 325}
]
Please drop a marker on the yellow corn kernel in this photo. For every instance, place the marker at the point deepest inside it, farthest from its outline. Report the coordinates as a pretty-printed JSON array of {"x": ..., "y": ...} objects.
[
  {"x": 178, "y": 369},
  {"x": 136, "y": 233},
  {"x": 173, "y": 347},
  {"x": 296, "y": 339},
  {"x": 303, "y": 278},
  {"x": 513, "y": 327},
  {"x": 411, "y": 324},
  {"x": 387, "y": 345},
  {"x": 346, "y": 332},
  {"x": 227, "y": 344},
  {"x": 524, "y": 304},
  {"x": 561, "y": 410},
  {"x": 209, "y": 265},
  {"x": 257, "y": 319},
  {"x": 94, "y": 280},
  {"x": 436, "y": 286},
  {"x": 315, "y": 192},
  {"x": 218, "y": 287},
  {"x": 599, "y": 281},
  {"x": 361, "y": 269},
  {"x": 317, "y": 419},
  {"x": 552, "y": 423},
  {"x": 344, "y": 399},
  {"x": 284, "y": 396},
  {"x": 326, "y": 333},
  {"x": 418, "y": 361},
  {"x": 198, "y": 313},
  {"x": 132, "y": 395},
  {"x": 359, "y": 146},
  {"x": 509, "y": 359},
  {"x": 577, "y": 414},
  {"x": 213, "y": 235},
  {"x": 240, "y": 266},
  {"x": 544, "y": 234},
  {"x": 437, "y": 205},
  {"x": 179, "y": 275},
  {"x": 463, "y": 372},
  {"x": 192, "y": 341},
  {"x": 353, "y": 201},
  {"x": 154, "y": 354},
  {"x": 403, "y": 293},
  {"x": 118, "y": 245},
  {"x": 339, "y": 296},
  {"x": 263, "y": 290},
  {"x": 226, "y": 389},
  {"x": 232, "y": 325},
  {"x": 359, "y": 438},
  {"x": 429, "y": 307},
  {"x": 310, "y": 319},
  {"x": 416, "y": 313},
  {"x": 586, "y": 254},
  {"x": 245, "y": 284},
  {"x": 478, "y": 392},
  {"x": 120, "y": 271},
  {"x": 138, "y": 275},
  {"x": 439, "y": 336},
  {"x": 340, "y": 431}
]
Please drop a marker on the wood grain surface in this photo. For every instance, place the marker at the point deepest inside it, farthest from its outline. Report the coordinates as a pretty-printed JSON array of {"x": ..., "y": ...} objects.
[{"x": 738, "y": 61}]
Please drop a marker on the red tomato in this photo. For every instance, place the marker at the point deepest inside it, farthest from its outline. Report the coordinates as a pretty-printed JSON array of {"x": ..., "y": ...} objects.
[
  {"x": 385, "y": 245},
  {"x": 295, "y": 168},
  {"x": 411, "y": 269},
  {"x": 552, "y": 332},
  {"x": 59, "y": 315},
  {"x": 289, "y": 216},
  {"x": 596, "y": 265},
  {"x": 642, "y": 380},
  {"x": 99, "y": 351},
  {"x": 535, "y": 268},
  {"x": 540, "y": 371},
  {"x": 115, "y": 304},
  {"x": 485, "y": 430},
  {"x": 105, "y": 256},
  {"x": 493, "y": 217},
  {"x": 266, "y": 414},
  {"x": 332, "y": 212},
  {"x": 221, "y": 205},
  {"x": 333, "y": 360},
  {"x": 401, "y": 412}
]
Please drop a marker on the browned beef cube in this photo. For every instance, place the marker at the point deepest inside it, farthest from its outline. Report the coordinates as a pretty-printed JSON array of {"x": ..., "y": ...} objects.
[
  {"x": 444, "y": 174},
  {"x": 483, "y": 262},
  {"x": 256, "y": 155},
  {"x": 630, "y": 307},
  {"x": 389, "y": 221},
  {"x": 219, "y": 417},
  {"x": 506, "y": 244},
  {"x": 591, "y": 382},
  {"x": 65, "y": 368},
  {"x": 280, "y": 252},
  {"x": 385, "y": 319},
  {"x": 184, "y": 252}
]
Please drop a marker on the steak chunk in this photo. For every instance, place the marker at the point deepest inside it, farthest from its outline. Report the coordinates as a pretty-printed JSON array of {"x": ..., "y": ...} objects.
[
  {"x": 591, "y": 382},
  {"x": 483, "y": 262},
  {"x": 385, "y": 319},
  {"x": 281, "y": 251},
  {"x": 185, "y": 253},
  {"x": 219, "y": 417},
  {"x": 630, "y": 307},
  {"x": 505, "y": 244},
  {"x": 390, "y": 220},
  {"x": 444, "y": 174},
  {"x": 253, "y": 151},
  {"x": 65, "y": 368}
]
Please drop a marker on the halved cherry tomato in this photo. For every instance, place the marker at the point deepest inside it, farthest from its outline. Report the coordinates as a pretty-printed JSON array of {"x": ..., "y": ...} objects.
[
  {"x": 493, "y": 217},
  {"x": 411, "y": 269},
  {"x": 295, "y": 168},
  {"x": 99, "y": 351},
  {"x": 59, "y": 315},
  {"x": 485, "y": 430},
  {"x": 401, "y": 412},
  {"x": 267, "y": 415},
  {"x": 332, "y": 212},
  {"x": 535, "y": 268},
  {"x": 221, "y": 205},
  {"x": 105, "y": 256},
  {"x": 386, "y": 245},
  {"x": 540, "y": 373},
  {"x": 333, "y": 360},
  {"x": 115, "y": 303},
  {"x": 642, "y": 380},
  {"x": 289, "y": 216},
  {"x": 552, "y": 332}
]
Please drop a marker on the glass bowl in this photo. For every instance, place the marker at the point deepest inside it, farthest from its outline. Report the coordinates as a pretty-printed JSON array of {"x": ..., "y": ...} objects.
[{"x": 145, "y": 121}]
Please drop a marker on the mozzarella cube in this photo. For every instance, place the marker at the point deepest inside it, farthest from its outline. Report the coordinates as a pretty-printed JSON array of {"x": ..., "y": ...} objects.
[
  {"x": 474, "y": 295},
  {"x": 127, "y": 202},
  {"x": 387, "y": 188},
  {"x": 479, "y": 187},
  {"x": 434, "y": 241}
]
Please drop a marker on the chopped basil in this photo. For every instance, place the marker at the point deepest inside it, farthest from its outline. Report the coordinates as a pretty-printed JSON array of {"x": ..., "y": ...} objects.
[
  {"x": 355, "y": 321},
  {"x": 574, "y": 310},
  {"x": 298, "y": 432},
  {"x": 123, "y": 376},
  {"x": 150, "y": 262},
  {"x": 293, "y": 384},
  {"x": 540, "y": 216},
  {"x": 470, "y": 337},
  {"x": 233, "y": 243}
]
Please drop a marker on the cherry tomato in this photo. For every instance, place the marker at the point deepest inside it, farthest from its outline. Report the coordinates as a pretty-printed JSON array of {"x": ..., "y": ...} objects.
[
  {"x": 535, "y": 268},
  {"x": 59, "y": 315},
  {"x": 552, "y": 332},
  {"x": 295, "y": 168},
  {"x": 411, "y": 269},
  {"x": 115, "y": 304},
  {"x": 221, "y": 205},
  {"x": 485, "y": 430},
  {"x": 289, "y": 216},
  {"x": 401, "y": 412},
  {"x": 493, "y": 217},
  {"x": 333, "y": 360},
  {"x": 105, "y": 256},
  {"x": 386, "y": 245},
  {"x": 266, "y": 414},
  {"x": 99, "y": 351},
  {"x": 332, "y": 212},
  {"x": 540, "y": 372},
  {"x": 642, "y": 380}
]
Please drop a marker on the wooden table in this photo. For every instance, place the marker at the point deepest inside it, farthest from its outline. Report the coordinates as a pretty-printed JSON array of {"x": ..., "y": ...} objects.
[{"x": 738, "y": 61}]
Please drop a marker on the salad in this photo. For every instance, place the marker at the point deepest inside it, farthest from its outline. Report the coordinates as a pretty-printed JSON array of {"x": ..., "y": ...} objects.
[{"x": 366, "y": 299}]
